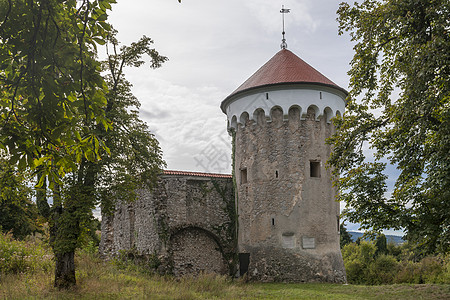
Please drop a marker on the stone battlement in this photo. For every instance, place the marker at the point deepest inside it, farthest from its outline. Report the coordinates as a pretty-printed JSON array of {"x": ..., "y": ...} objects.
[{"x": 325, "y": 102}]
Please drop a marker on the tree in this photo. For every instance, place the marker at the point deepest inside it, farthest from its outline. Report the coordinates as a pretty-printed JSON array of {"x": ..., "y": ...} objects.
[
  {"x": 52, "y": 94},
  {"x": 136, "y": 157},
  {"x": 55, "y": 110},
  {"x": 381, "y": 245},
  {"x": 400, "y": 46},
  {"x": 18, "y": 214},
  {"x": 345, "y": 236}
]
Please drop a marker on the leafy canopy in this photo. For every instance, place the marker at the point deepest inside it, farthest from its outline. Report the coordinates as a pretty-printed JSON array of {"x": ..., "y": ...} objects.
[
  {"x": 18, "y": 214},
  {"x": 401, "y": 46},
  {"x": 59, "y": 115},
  {"x": 135, "y": 156},
  {"x": 51, "y": 86}
]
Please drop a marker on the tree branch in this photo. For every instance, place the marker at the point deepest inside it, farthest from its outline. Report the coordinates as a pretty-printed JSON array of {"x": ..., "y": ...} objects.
[{"x": 6, "y": 16}]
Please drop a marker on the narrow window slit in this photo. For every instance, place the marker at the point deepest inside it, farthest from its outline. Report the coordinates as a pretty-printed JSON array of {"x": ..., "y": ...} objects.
[{"x": 243, "y": 176}]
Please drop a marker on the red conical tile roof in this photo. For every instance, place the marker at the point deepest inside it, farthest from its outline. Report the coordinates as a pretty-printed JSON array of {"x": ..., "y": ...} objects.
[{"x": 284, "y": 67}]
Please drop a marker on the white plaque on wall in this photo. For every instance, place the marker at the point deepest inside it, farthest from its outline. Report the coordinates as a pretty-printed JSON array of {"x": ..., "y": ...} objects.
[
  {"x": 308, "y": 242},
  {"x": 288, "y": 241}
]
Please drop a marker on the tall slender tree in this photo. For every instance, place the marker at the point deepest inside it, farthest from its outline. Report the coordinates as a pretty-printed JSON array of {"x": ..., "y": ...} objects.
[{"x": 135, "y": 156}]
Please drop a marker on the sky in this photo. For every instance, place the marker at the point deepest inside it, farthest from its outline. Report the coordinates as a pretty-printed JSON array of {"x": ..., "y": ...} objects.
[{"x": 213, "y": 47}]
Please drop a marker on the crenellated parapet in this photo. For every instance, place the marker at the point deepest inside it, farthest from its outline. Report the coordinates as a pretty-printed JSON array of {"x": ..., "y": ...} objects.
[{"x": 326, "y": 102}]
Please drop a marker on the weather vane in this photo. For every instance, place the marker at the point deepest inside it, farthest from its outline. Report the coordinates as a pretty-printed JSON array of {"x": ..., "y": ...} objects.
[{"x": 284, "y": 11}]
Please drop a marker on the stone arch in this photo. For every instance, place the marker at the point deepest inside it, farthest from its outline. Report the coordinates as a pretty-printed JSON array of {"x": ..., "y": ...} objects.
[
  {"x": 313, "y": 111},
  {"x": 338, "y": 113},
  {"x": 233, "y": 122},
  {"x": 195, "y": 250},
  {"x": 243, "y": 119},
  {"x": 259, "y": 115},
  {"x": 294, "y": 112},
  {"x": 328, "y": 113},
  {"x": 276, "y": 113}
]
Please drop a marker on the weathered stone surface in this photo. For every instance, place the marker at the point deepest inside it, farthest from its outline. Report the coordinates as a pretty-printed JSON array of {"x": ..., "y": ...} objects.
[
  {"x": 188, "y": 222},
  {"x": 288, "y": 216},
  {"x": 268, "y": 264},
  {"x": 195, "y": 250}
]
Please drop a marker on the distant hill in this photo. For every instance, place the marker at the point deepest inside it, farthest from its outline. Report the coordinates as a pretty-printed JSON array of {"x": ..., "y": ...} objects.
[{"x": 390, "y": 238}]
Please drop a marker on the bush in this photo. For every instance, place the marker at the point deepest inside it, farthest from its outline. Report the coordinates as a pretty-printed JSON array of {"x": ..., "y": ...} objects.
[
  {"x": 357, "y": 259},
  {"x": 394, "y": 250},
  {"x": 131, "y": 260},
  {"x": 445, "y": 276},
  {"x": 363, "y": 266},
  {"x": 408, "y": 273},
  {"x": 21, "y": 257},
  {"x": 355, "y": 272},
  {"x": 430, "y": 269},
  {"x": 383, "y": 270}
]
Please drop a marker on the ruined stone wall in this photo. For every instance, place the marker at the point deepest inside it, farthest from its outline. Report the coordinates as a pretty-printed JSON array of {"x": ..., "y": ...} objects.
[
  {"x": 288, "y": 216},
  {"x": 188, "y": 222}
]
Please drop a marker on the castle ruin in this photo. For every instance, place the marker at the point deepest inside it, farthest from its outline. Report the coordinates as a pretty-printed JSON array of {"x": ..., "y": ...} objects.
[{"x": 277, "y": 220}]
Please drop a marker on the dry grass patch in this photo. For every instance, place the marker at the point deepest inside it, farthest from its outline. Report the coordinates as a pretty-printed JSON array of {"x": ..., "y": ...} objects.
[{"x": 98, "y": 279}]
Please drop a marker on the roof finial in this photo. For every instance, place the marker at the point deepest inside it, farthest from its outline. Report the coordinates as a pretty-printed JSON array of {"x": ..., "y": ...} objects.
[{"x": 284, "y": 11}]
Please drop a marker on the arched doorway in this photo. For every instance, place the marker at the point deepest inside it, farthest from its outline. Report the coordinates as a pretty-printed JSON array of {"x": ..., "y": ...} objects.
[{"x": 195, "y": 250}]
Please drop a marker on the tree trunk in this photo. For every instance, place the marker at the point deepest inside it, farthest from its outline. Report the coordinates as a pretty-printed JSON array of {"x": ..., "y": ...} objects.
[
  {"x": 63, "y": 237},
  {"x": 65, "y": 270}
]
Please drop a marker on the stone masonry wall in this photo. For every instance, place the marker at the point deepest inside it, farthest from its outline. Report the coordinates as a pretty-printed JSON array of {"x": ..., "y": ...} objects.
[
  {"x": 187, "y": 222},
  {"x": 288, "y": 217}
]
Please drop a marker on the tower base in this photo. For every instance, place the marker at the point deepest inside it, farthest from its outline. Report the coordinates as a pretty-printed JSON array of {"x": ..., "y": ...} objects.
[{"x": 288, "y": 265}]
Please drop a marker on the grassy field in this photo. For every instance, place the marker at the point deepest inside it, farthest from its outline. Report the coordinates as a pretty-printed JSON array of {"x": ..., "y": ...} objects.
[{"x": 101, "y": 280}]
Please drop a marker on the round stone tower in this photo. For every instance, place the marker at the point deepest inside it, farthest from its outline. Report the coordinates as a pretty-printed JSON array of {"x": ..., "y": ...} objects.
[{"x": 288, "y": 219}]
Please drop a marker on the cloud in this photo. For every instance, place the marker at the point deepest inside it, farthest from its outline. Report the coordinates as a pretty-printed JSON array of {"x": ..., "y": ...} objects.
[
  {"x": 269, "y": 17},
  {"x": 153, "y": 114},
  {"x": 214, "y": 46}
]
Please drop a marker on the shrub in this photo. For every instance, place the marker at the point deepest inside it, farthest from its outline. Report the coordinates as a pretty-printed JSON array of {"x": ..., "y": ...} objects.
[
  {"x": 21, "y": 257},
  {"x": 132, "y": 260},
  {"x": 408, "y": 273},
  {"x": 357, "y": 259},
  {"x": 394, "y": 250},
  {"x": 445, "y": 276},
  {"x": 430, "y": 269},
  {"x": 355, "y": 272},
  {"x": 383, "y": 270},
  {"x": 363, "y": 266}
]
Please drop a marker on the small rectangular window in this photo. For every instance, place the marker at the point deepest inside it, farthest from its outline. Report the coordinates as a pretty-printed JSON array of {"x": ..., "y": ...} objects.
[
  {"x": 314, "y": 168},
  {"x": 243, "y": 176}
]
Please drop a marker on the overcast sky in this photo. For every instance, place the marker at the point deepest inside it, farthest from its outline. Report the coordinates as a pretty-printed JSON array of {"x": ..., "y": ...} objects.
[{"x": 213, "y": 46}]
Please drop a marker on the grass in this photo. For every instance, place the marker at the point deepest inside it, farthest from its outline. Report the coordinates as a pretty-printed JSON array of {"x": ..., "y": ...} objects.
[{"x": 102, "y": 280}]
